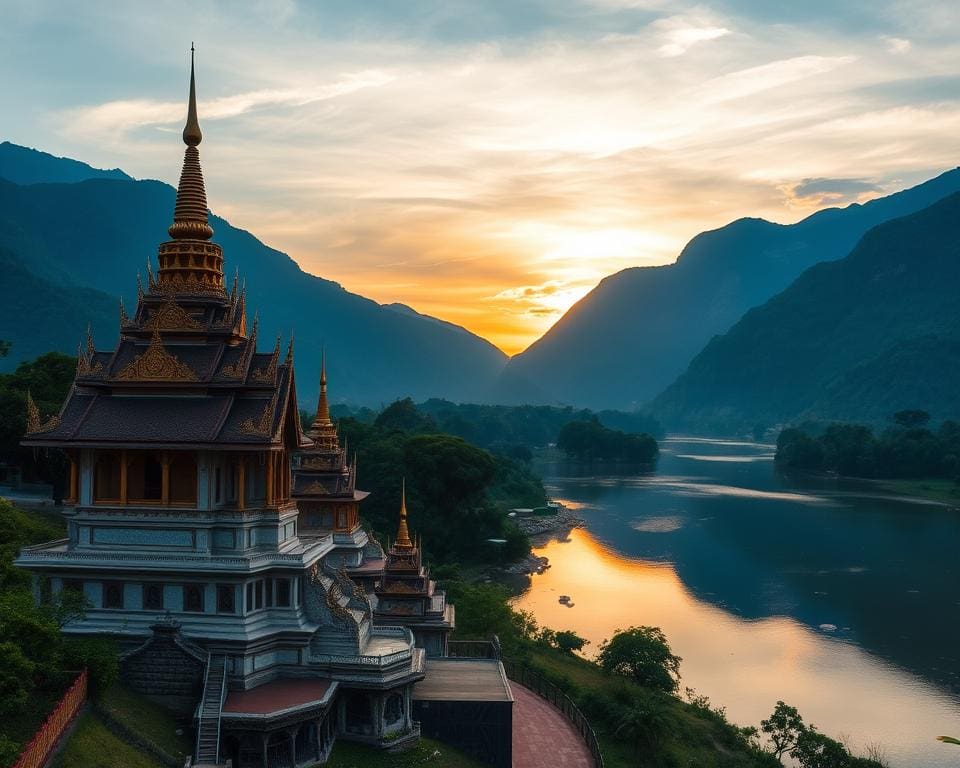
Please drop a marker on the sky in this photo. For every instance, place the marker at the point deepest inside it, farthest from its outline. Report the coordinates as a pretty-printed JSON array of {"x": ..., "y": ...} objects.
[{"x": 489, "y": 162}]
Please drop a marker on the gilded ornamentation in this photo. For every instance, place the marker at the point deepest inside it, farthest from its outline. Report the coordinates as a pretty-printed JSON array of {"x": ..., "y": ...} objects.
[
  {"x": 156, "y": 364},
  {"x": 269, "y": 374},
  {"x": 124, "y": 319},
  {"x": 171, "y": 316},
  {"x": 316, "y": 487},
  {"x": 263, "y": 425},
  {"x": 34, "y": 425}
]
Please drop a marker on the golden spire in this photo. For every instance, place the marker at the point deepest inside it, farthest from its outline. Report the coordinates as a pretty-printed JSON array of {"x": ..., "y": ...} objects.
[
  {"x": 321, "y": 421},
  {"x": 403, "y": 534},
  {"x": 191, "y": 131},
  {"x": 190, "y": 212}
]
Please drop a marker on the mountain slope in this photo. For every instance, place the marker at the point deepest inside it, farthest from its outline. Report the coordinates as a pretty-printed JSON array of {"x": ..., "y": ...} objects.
[
  {"x": 99, "y": 233},
  {"x": 638, "y": 329},
  {"x": 855, "y": 339},
  {"x": 23, "y": 165}
]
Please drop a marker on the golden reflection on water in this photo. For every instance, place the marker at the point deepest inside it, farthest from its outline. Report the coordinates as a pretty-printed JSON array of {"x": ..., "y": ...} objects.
[{"x": 743, "y": 665}]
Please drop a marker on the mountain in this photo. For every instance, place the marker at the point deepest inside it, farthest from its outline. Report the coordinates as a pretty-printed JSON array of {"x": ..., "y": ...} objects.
[
  {"x": 634, "y": 333},
  {"x": 854, "y": 340},
  {"x": 99, "y": 232},
  {"x": 23, "y": 165}
]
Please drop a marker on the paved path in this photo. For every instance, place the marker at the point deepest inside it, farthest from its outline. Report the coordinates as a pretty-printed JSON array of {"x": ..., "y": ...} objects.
[{"x": 542, "y": 736}]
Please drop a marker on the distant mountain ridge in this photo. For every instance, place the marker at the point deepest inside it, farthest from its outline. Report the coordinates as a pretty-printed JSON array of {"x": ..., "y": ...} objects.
[
  {"x": 850, "y": 340},
  {"x": 633, "y": 334},
  {"x": 23, "y": 165},
  {"x": 95, "y": 230}
]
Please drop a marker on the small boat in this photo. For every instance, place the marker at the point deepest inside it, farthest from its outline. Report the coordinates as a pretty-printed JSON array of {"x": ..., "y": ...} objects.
[{"x": 564, "y": 599}]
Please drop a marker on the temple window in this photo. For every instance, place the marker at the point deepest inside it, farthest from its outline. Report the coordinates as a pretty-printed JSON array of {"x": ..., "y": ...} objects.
[
  {"x": 144, "y": 478},
  {"x": 283, "y": 593},
  {"x": 226, "y": 600},
  {"x": 153, "y": 597},
  {"x": 183, "y": 479},
  {"x": 193, "y": 598},
  {"x": 258, "y": 592},
  {"x": 217, "y": 485},
  {"x": 249, "y": 597},
  {"x": 106, "y": 477},
  {"x": 268, "y": 592},
  {"x": 393, "y": 709},
  {"x": 113, "y": 594}
]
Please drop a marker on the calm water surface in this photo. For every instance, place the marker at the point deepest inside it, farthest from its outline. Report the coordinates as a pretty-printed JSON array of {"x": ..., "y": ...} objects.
[{"x": 842, "y": 602}]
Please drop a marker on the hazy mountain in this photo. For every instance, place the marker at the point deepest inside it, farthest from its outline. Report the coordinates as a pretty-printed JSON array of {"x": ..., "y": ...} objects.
[
  {"x": 23, "y": 165},
  {"x": 638, "y": 329},
  {"x": 98, "y": 233},
  {"x": 855, "y": 339}
]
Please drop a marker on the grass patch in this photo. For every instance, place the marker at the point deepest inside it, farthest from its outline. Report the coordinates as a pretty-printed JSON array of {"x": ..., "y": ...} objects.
[
  {"x": 696, "y": 735},
  {"x": 946, "y": 491},
  {"x": 91, "y": 745},
  {"x": 151, "y": 721},
  {"x": 347, "y": 755}
]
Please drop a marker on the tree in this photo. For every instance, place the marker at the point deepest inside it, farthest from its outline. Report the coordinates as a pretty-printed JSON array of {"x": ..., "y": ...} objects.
[
  {"x": 783, "y": 728},
  {"x": 643, "y": 655},
  {"x": 911, "y": 419},
  {"x": 569, "y": 641},
  {"x": 403, "y": 416},
  {"x": 815, "y": 750},
  {"x": 16, "y": 677},
  {"x": 4, "y": 348}
]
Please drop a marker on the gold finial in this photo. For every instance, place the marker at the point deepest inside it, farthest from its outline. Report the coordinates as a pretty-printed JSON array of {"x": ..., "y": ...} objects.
[
  {"x": 91, "y": 349},
  {"x": 289, "y": 359},
  {"x": 124, "y": 320},
  {"x": 322, "y": 421},
  {"x": 403, "y": 534},
  {"x": 190, "y": 211},
  {"x": 191, "y": 131}
]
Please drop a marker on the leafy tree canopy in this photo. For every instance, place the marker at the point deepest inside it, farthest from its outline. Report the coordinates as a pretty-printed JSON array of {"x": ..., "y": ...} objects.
[{"x": 643, "y": 655}]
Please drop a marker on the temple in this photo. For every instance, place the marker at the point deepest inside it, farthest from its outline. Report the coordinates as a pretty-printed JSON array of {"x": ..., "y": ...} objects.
[{"x": 218, "y": 541}]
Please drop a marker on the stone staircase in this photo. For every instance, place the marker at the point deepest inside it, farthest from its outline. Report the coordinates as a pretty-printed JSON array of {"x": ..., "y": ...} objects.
[{"x": 208, "y": 720}]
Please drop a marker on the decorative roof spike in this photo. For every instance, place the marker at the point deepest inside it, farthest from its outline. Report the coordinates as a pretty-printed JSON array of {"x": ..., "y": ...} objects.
[
  {"x": 33, "y": 414},
  {"x": 190, "y": 213},
  {"x": 151, "y": 284},
  {"x": 403, "y": 533},
  {"x": 233, "y": 291},
  {"x": 321, "y": 421},
  {"x": 81, "y": 360},
  {"x": 91, "y": 349},
  {"x": 139, "y": 289},
  {"x": 124, "y": 320},
  {"x": 289, "y": 359}
]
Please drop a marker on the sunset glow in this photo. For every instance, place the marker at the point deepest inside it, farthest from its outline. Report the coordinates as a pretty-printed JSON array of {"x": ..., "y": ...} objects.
[{"x": 489, "y": 165}]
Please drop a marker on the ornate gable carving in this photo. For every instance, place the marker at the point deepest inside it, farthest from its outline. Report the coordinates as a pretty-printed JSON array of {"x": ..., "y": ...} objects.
[
  {"x": 34, "y": 425},
  {"x": 156, "y": 364},
  {"x": 262, "y": 426},
  {"x": 171, "y": 317}
]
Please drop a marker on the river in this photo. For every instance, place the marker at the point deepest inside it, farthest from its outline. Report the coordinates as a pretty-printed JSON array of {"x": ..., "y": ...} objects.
[{"x": 840, "y": 601}]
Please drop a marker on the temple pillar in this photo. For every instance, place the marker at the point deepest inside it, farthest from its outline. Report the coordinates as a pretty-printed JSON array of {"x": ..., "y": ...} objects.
[
  {"x": 123, "y": 477},
  {"x": 292, "y": 742},
  {"x": 74, "y": 477},
  {"x": 86, "y": 477},
  {"x": 265, "y": 738},
  {"x": 269, "y": 492},
  {"x": 241, "y": 483},
  {"x": 165, "y": 478}
]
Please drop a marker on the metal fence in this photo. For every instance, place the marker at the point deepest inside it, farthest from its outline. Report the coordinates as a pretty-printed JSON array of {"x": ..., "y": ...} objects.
[
  {"x": 36, "y": 752},
  {"x": 545, "y": 689}
]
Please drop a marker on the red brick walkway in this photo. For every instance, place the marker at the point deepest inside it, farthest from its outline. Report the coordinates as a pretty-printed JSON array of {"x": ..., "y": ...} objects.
[{"x": 542, "y": 736}]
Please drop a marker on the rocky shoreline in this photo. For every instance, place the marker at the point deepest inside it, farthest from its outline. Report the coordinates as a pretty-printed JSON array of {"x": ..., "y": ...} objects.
[{"x": 541, "y": 527}]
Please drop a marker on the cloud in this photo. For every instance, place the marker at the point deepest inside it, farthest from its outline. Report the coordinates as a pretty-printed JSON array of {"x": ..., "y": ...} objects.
[
  {"x": 680, "y": 33},
  {"x": 822, "y": 191},
  {"x": 898, "y": 44}
]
